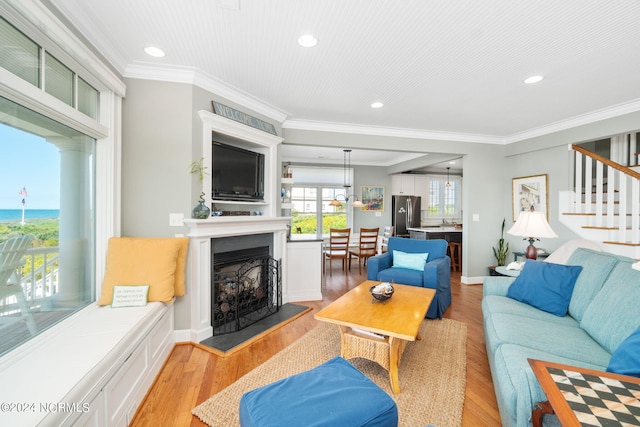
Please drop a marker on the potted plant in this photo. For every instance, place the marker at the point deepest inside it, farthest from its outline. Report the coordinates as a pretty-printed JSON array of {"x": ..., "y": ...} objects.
[
  {"x": 501, "y": 252},
  {"x": 201, "y": 211}
]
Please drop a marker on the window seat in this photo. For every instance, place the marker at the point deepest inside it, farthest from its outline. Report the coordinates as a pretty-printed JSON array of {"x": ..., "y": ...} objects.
[{"x": 93, "y": 368}]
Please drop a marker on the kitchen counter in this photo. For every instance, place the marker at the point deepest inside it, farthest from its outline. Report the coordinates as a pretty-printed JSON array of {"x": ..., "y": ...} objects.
[
  {"x": 449, "y": 229},
  {"x": 448, "y": 233},
  {"x": 305, "y": 238}
]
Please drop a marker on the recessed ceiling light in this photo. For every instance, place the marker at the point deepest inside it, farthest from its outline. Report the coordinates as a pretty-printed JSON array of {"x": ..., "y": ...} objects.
[
  {"x": 533, "y": 79},
  {"x": 307, "y": 40},
  {"x": 156, "y": 52},
  {"x": 377, "y": 105}
]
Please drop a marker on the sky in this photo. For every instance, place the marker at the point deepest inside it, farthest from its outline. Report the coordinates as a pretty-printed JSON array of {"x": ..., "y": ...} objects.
[{"x": 31, "y": 162}]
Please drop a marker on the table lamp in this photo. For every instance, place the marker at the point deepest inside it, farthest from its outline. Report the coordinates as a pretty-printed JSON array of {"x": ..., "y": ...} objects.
[{"x": 532, "y": 225}]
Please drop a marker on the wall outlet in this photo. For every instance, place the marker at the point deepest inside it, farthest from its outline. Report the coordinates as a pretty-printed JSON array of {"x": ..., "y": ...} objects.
[
  {"x": 476, "y": 217},
  {"x": 175, "y": 219}
]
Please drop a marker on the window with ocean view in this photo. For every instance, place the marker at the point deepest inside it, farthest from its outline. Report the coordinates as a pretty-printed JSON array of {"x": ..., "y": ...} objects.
[{"x": 47, "y": 223}]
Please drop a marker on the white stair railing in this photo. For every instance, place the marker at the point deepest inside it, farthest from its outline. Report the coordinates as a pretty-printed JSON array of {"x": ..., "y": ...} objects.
[{"x": 617, "y": 207}]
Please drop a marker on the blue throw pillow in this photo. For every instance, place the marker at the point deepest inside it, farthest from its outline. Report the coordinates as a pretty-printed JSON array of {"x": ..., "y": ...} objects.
[
  {"x": 412, "y": 261},
  {"x": 545, "y": 285},
  {"x": 626, "y": 359}
]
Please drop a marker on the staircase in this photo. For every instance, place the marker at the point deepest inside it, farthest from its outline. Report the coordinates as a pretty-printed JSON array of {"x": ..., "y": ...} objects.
[{"x": 606, "y": 207}]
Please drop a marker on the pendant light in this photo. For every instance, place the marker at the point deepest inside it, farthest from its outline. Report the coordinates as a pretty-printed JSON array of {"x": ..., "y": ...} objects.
[{"x": 346, "y": 169}]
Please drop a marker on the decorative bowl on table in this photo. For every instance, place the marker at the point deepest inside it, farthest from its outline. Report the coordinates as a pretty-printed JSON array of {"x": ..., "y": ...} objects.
[{"x": 382, "y": 291}]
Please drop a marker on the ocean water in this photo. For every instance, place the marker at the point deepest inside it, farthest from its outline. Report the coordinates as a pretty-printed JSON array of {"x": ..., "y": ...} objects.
[{"x": 12, "y": 215}]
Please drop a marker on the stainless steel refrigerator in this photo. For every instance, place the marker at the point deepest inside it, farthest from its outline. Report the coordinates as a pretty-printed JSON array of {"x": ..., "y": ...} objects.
[{"x": 405, "y": 213}]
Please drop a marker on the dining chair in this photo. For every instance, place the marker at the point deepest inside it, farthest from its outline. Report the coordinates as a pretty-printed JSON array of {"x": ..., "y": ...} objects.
[
  {"x": 387, "y": 232},
  {"x": 338, "y": 247},
  {"x": 367, "y": 247}
]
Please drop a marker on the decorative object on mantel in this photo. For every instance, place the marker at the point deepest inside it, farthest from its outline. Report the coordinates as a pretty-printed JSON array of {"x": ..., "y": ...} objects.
[
  {"x": 532, "y": 225},
  {"x": 347, "y": 185},
  {"x": 201, "y": 211},
  {"x": 240, "y": 117}
]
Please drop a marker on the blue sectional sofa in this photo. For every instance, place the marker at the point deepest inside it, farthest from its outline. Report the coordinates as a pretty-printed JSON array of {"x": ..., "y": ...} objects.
[
  {"x": 435, "y": 273},
  {"x": 602, "y": 313}
]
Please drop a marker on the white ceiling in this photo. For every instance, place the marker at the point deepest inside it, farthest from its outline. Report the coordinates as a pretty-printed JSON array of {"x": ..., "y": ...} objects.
[{"x": 441, "y": 67}]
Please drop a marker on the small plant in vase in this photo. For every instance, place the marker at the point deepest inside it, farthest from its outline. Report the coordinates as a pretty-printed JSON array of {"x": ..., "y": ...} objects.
[
  {"x": 502, "y": 251},
  {"x": 201, "y": 211}
]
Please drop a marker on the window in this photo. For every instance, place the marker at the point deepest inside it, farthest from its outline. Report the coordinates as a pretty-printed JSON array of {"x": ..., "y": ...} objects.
[
  {"x": 444, "y": 197},
  {"x": 47, "y": 191},
  {"x": 312, "y": 210},
  {"x": 22, "y": 56},
  {"x": 19, "y": 54},
  {"x": 316, "y": 187},
  {"x": 66, "y": 165}
]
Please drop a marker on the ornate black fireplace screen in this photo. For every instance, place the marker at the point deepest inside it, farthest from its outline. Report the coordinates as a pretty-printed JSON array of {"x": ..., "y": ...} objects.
[{"x": 245, "y": 289}]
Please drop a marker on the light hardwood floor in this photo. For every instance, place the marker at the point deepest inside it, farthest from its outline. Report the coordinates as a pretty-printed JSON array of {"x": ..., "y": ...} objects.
[{"x": 191, "y": 375}]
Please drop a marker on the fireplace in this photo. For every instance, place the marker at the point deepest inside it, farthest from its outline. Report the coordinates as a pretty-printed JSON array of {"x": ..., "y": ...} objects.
[{"x": 245, "y": 282}]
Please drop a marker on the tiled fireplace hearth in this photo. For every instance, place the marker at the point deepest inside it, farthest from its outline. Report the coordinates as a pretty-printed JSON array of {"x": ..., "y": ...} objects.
[{"x": 203, "y": 235}]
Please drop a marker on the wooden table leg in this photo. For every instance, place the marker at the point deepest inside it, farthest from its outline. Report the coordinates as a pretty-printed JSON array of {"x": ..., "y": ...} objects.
[
  {"x": 538, "y": 411},
  {"x": 395, "y": 349}
]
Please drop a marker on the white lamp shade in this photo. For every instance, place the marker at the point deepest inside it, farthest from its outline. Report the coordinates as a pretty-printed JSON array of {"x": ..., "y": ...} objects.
[
  {"x": 532, "y": 224},
  {"x": 357, "y": 204}
]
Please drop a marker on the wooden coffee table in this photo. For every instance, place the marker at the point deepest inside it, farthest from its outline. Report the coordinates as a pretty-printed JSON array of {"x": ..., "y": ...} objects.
[{"x": 375, "y": 330}]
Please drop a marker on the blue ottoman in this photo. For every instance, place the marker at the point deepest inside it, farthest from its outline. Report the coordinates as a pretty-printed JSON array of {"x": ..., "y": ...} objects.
[{"x": 332, "y": 394}]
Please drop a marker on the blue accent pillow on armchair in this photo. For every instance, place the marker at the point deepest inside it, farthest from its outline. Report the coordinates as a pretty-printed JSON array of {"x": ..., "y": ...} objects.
[
  {"x": 412, "y": 261},
  {"x": 626, "y": 359},
  {"x": 545, "y": 285}
]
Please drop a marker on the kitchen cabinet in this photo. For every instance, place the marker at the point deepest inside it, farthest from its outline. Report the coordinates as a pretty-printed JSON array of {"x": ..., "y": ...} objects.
[
  {"x": 402, "y": 184},
  {"x": 445, "y": 233},
  {"x": 411, "y": 185},
  {"x": 421, "y": 189}
]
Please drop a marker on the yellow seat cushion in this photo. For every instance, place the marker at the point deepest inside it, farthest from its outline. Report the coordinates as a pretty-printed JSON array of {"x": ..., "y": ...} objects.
[{"x": 157, "y": 262}]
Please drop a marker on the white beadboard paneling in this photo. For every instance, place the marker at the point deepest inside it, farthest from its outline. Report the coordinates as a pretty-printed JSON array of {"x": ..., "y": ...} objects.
[{"x": 438, "y": 66}]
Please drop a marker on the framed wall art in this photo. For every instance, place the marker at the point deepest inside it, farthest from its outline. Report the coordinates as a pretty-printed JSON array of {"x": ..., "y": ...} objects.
[
  {"x": 530, "y": 193},
  {"x": 372, "y": 198}
]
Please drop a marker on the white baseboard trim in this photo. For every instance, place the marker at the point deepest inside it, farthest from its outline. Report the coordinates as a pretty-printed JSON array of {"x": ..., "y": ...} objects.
[{"x": 477, "y": 280}]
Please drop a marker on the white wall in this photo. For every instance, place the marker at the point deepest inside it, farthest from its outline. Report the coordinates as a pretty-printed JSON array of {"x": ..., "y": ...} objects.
[{"x": 162, "y": 136}]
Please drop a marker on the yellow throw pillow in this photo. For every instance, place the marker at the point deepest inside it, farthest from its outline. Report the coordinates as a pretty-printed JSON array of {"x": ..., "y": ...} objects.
[
  {"x": 151, "y": 261},
  {"x": 181, "y": 266}
]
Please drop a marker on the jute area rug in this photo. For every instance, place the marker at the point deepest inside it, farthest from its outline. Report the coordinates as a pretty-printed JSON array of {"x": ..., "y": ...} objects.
[{"x": 432, "y": 375}]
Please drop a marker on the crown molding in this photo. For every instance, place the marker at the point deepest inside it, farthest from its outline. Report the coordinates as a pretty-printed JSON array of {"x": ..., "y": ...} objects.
[
  {"x": 581, "y": 120},
  {"x": 390, "y": 131},
  {"x": 191, "y": 75}
]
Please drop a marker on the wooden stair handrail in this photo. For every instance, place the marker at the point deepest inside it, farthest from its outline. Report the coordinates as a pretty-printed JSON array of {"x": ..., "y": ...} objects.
[{"x": 606, "y": 161}]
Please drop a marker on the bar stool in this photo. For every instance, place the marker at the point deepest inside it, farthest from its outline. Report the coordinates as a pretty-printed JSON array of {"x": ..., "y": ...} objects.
[{"x": 455, "y": 252}]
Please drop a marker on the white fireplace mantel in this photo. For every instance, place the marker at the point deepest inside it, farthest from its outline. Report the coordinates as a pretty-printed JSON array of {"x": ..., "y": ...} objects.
[{"x": 199, "y": 260}]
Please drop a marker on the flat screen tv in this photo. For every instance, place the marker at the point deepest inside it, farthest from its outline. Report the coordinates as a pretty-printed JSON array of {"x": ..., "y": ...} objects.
[{"x": 237, "y": 174}]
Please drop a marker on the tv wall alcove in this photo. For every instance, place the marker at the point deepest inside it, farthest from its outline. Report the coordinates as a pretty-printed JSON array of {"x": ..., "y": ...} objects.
[{"x": 203, "y": 232}]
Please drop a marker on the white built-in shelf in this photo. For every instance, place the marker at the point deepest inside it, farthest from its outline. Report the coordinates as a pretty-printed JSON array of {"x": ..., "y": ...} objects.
[
  {"x": 237, "y": 202},
  {"x": 247, "y": 137},
  {"x": 286, "y": 181}
]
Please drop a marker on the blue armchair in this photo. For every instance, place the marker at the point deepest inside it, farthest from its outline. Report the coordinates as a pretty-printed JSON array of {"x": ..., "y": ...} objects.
[{"x": 436, "y": 273}]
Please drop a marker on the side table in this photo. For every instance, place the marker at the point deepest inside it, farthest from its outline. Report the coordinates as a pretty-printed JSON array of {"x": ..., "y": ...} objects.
[
  {"x": 581, "y": 396},
  {"x": 506, "y": 272},
  {"x": 541, "y": 255}
]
